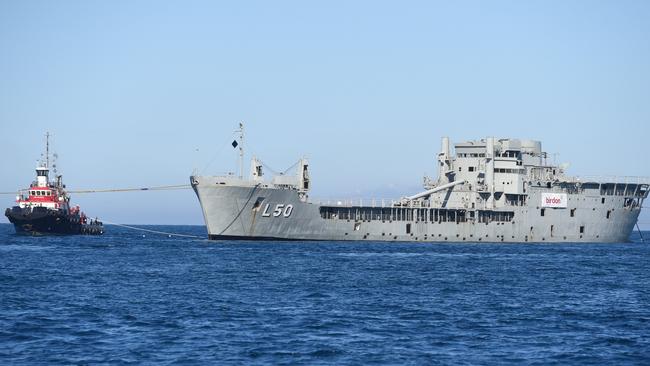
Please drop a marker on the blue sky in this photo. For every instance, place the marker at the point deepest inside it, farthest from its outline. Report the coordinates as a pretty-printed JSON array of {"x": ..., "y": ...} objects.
[{"x": 132, "y": 89}]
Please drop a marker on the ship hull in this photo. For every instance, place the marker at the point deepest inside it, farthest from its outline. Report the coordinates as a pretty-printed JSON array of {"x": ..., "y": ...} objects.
[
  {"x": 43, "y": 221},
  {"x": 254, "y": 213}
]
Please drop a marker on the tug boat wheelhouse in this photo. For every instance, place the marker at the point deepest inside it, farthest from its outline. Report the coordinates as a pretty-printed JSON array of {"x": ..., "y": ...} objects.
[{"x": 44, "y": 208}]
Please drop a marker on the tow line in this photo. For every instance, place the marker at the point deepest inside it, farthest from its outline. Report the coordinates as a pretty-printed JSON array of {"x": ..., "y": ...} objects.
[
  {"x": 155, "y": 188},
  {"x": 154, "y": 231},
  {"x": 158, "y": 188},
  {"x": 639, "y": 230}
]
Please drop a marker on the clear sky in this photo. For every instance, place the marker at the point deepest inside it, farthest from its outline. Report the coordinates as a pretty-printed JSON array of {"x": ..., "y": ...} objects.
[{"x": 138, "y": 93}]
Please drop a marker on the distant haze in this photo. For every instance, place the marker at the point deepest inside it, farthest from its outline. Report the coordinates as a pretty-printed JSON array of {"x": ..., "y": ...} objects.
[{"x": 141, "y": 93}]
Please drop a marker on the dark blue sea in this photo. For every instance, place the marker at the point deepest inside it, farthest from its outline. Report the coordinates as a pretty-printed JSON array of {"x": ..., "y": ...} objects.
[{"x": 125, "y": 298}]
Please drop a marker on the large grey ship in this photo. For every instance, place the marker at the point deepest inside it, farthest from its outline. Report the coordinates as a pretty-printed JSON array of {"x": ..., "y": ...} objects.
[{"x": 490, "y": 190}]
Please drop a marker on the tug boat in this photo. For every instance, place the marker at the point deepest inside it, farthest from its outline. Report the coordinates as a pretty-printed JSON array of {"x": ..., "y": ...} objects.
[{"x": 44, "y": 208}]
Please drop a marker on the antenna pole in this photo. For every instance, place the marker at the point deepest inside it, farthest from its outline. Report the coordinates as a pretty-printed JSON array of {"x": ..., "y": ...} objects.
[
  {"x": 241, "y": 150},
  {"x": 47, "y": 149}
]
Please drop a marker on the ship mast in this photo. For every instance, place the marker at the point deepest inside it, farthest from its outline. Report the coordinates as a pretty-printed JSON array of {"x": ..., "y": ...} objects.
[
  {"x": 47, "y": 149},
  {"x": 241, "y": 150},
  {"x": 42, "y": 169}
]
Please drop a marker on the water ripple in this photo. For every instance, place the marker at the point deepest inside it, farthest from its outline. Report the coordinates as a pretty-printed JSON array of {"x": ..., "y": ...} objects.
[{"x": 127, "y": 299}]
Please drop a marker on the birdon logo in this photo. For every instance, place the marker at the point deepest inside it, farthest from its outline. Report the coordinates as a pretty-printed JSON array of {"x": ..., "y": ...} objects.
[{"x": 554, "y": 200}]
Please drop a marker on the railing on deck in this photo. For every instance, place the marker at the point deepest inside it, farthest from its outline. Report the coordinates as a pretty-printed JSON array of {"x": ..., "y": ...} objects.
[
  {"x": 613, "y": 179},
  {"x": 357, "y": 202}
]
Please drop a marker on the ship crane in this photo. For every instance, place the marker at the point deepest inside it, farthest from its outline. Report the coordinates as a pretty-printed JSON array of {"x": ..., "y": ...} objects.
[{"x": 433, "y": 190}]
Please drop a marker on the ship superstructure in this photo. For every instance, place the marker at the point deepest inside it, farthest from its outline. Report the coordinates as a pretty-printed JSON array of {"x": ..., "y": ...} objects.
[
  {"x": 491, "y": 190},
  {"x": 44, "y": 208}
]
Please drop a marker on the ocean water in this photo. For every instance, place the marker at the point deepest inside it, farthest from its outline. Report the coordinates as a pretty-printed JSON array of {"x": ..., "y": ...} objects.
[{"x": 125, "y": 298}]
